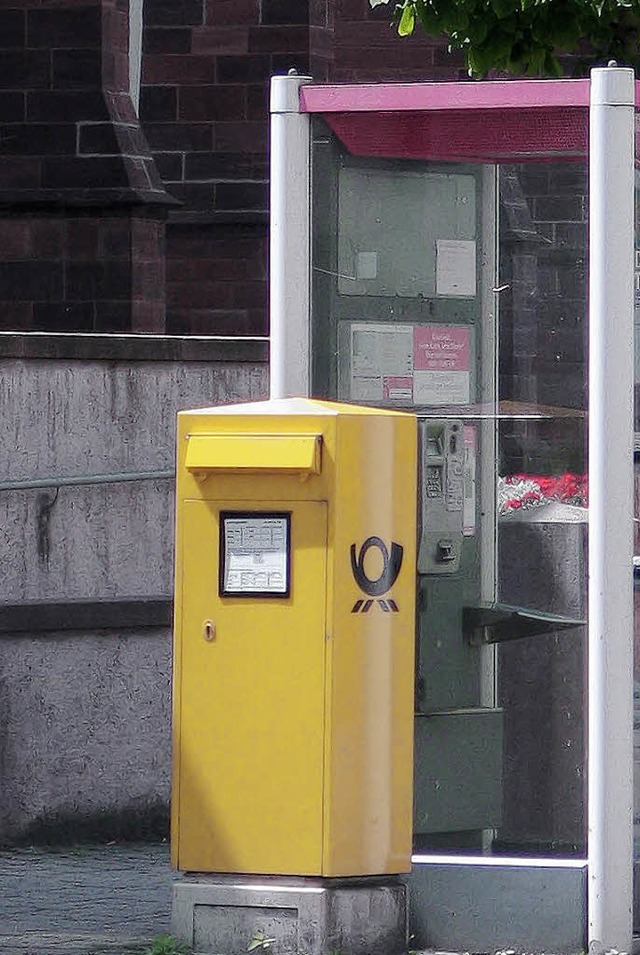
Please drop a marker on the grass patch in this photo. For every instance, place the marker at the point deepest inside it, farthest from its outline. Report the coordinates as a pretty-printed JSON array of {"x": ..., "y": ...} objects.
[{"x": 167, "y": 945}]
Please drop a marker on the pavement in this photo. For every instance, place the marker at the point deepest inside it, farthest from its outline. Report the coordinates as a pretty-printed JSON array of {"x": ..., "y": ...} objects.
[{"x": 86, "y": 900}]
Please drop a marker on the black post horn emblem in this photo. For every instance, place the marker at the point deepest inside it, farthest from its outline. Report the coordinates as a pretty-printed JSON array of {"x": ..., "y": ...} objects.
[{"x": 391, "y": 564}]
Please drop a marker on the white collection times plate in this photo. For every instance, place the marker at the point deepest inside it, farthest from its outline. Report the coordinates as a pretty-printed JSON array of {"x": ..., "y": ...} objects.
[{"x": 254, "y": 554}]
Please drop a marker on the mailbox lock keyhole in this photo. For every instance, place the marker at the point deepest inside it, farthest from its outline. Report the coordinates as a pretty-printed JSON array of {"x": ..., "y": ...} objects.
[{"x": 209, "y": 630}]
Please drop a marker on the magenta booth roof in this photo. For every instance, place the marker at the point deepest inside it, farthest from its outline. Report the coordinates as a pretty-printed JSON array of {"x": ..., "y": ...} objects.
[{"x": 489, "y": 121}]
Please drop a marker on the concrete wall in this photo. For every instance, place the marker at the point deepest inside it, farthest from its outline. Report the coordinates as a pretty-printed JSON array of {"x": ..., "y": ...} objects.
[
  {"x": 66, "y": 419},
  {"x": 84, "y": 735},
  {"x": 84, "y": 714}
]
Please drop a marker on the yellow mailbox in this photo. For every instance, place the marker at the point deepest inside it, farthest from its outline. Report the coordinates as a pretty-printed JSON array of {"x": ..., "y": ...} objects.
[{"x": 294, "y": 639}]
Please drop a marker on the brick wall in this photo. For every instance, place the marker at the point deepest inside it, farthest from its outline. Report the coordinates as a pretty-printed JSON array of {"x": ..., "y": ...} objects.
[
  {"x": 351, "y": 43},
  {"x": 70, "y": 132},
  {"x": 204, "y": 108},
  {"x": 81, "y": 202},
  {"x": 216, "y": 279},
  {"x": 73, "y": 271}
]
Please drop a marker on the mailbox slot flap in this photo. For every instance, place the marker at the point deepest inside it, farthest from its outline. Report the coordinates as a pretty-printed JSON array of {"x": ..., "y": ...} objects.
[{"x": 293, "y": 453}]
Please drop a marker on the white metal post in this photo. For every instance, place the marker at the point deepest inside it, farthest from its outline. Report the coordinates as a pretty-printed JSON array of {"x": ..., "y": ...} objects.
[
  {"x": 289, "y": 287},
  {"x": 611, "y": 205}
]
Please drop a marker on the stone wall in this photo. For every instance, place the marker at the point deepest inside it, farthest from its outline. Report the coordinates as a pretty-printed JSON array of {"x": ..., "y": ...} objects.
[
  {"x": 79, "y": 164},
  {"x": 85, "y": 647},
  {"x": 204, "y": 108},
  {"x": 82, "y": 204},
  {"x": 351, "y": 43}
]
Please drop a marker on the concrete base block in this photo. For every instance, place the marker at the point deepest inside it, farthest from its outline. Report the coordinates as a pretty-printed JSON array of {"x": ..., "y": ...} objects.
[
  {"x": 221, "y": 915},
  {"x": 487, "y": 908}
]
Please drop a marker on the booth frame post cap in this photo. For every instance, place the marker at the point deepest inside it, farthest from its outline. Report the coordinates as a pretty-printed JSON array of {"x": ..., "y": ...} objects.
[
  {"x": 612, "y": 86},
  {"x": 285, "y": 93}
]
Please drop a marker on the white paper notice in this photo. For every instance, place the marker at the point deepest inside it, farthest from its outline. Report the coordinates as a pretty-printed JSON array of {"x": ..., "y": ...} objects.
[
  {"x": 381, "y": 362},
  {"x": 455, "y": 267},
  {"x": 401, "y": 365},
  {"x": 255, "y": 555}
]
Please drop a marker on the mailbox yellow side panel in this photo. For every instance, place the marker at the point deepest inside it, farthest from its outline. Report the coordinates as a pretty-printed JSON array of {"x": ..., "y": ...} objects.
[
  {"x": 249, "y": 717},
  {"x": 369, "y": 775}
]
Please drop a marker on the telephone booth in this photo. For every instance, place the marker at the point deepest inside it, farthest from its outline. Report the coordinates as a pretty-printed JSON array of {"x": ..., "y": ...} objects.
[{"x": 465, "y": 252}]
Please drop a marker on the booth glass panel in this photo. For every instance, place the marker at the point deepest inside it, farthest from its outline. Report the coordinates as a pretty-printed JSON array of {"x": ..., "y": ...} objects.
[
  {"x": 457, "y": 290},
  {"x": 542, "y": 515}
]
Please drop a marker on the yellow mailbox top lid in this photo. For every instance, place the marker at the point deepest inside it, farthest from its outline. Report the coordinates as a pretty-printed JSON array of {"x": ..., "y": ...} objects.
[
  {"x": 251, "y": 451},
  {"x": 292, "y": 406},
  {"x": 300, "y": 453}
]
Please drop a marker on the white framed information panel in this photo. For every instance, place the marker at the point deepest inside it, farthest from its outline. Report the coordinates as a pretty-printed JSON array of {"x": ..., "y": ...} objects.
[
  {"x": 255, "y": 554},
  {"x": 402, "y": 364}
]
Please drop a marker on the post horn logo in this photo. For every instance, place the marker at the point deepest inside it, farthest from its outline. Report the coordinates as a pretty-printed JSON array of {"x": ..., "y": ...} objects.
[{"x": 391, "y": 564}]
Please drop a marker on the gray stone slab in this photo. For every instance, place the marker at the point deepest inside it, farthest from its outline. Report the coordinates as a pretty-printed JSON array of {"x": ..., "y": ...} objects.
[
  {"x": 489, "y": 908},
  {"x": 90, "y": 899}
]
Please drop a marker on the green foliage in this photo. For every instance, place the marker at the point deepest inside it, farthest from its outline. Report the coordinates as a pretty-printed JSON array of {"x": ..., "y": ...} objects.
[
  {"x": 167, "y": 945},
  {"x": 527, "y": 36},
  {"x": 260, "y": 942}
]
